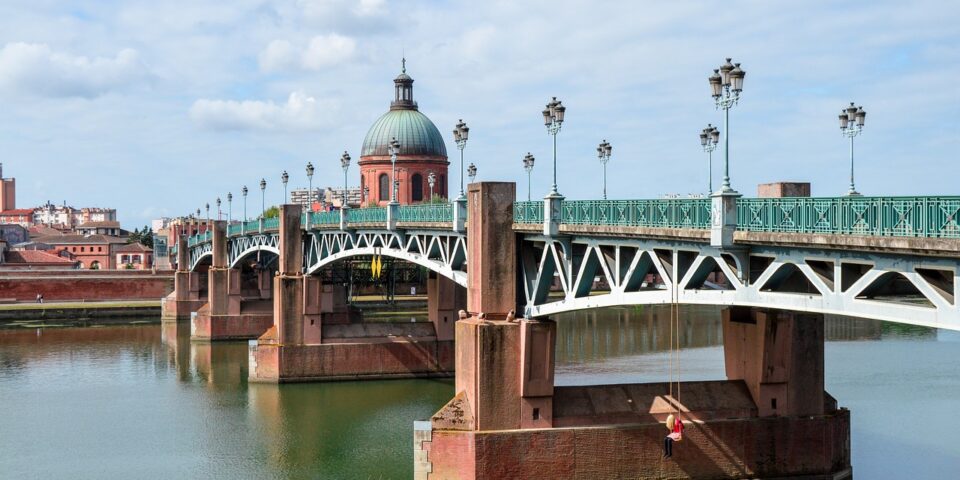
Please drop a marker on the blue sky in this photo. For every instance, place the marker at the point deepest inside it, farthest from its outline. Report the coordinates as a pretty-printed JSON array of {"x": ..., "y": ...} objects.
[{"x": 156, "y": 108}]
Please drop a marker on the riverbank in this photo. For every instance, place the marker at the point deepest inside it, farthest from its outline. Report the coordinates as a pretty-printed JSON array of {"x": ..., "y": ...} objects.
[
  {"x": 77, "y": 314},
  {"x": 82, "y": 314}
]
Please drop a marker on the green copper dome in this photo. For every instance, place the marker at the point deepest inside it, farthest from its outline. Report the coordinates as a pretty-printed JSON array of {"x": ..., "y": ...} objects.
[{"x": 415, "y": 132}]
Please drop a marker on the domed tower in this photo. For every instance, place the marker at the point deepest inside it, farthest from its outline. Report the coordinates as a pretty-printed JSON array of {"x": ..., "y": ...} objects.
[{"x": 422, "y": 151}]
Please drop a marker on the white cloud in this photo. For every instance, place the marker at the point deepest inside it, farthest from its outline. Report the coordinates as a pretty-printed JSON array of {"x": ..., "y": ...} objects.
[
  {"x": 327, "y": 50},
  {"x": 322, "y": 51},
  {"x": 300, "y": 112},
  {"x": 30, "y": 68},
  {"x": 279, "y": 55}
]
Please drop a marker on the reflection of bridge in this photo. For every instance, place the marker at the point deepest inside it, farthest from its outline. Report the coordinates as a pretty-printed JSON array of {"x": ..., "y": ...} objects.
[
  {"x": 776, "y": 265},
  {"x": 888, "y": 258}
]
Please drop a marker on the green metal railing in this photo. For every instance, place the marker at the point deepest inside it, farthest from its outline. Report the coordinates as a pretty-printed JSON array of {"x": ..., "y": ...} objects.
[
  {"x": 368, "y": 215},
  {"x": 271, "y": 223},
  {"x": 935, "y": 217},
  {"x": 528, "y": 212},
  {"x": 234, "y": 229},
  {"x": 326, "y": 218},
  {"x": 199, "y": 238},
  {"x": 664, "y": 213},
  {"x": 425, "y": 213}
]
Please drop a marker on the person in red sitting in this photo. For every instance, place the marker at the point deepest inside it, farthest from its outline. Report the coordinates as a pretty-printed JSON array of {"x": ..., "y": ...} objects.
[{"x": 675, "y": 435}]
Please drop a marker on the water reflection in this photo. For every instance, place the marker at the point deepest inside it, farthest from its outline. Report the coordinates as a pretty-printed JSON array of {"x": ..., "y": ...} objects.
[{"x": 105, "y": 402}]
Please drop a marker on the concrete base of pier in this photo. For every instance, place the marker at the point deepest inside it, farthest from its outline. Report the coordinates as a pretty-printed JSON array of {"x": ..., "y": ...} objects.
[
  {"x": 354, "y": 352},
  {"x": 617, "y": 431},
  {"x": 173, "y": 310},
  {"x": 253, "y": 320}
]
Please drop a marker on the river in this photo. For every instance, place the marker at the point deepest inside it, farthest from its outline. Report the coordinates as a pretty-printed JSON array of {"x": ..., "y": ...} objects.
[{"x": 142, "y": 402}]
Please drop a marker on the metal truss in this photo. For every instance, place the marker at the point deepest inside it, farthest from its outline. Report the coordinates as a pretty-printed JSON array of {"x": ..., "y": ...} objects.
[
  {"x": 580, "y": 272},
  {"x": 240, "y": 247},
  {"x": 200, "y": 252},
  {"x": 442, "y": 251}
]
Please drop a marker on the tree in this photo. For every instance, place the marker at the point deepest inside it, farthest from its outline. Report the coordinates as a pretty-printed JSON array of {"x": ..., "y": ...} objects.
[{"x": 271, "y": 212}]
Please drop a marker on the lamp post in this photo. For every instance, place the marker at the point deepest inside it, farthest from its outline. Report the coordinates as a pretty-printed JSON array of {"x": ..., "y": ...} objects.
[
  {"x": 603, "y": 153},
  {"x": 229, "y": 208},
  {"x": 726, "y": 83},
  {"x": 244, "y": 192},
  {"x": 460, "y": 134},
  {"x": 472, "y": 172},
  {"x": 284, "y": 178},
  {"x": 709, "y": 137},
  {"x": 553, "y": 119},
  {"x": 394, "y": 149},
  {"x": 345, "y": 163},
  {"x": 263, "y": 204},
  {"x": 219, "y": 212},
  {"x": 309, "y": 186},
  {"x": 528, "y": 161},
  {"x": 851, "y": 125},
  {"x": 431, "y": 180}
]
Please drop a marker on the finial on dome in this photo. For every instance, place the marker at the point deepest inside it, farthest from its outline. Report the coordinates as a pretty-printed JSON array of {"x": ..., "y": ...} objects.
[{"x": 404, "y": 63}]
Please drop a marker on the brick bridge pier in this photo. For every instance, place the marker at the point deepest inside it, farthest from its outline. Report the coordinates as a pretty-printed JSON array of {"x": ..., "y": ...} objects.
[{"x": 770, "y": 419}]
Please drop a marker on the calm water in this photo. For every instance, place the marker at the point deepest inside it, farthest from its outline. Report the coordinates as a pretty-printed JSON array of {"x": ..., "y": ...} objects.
[{"x": 140, "y": 402}]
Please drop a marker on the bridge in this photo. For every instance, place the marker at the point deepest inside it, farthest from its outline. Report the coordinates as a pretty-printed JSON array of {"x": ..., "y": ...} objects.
[
  {"x": 886, "y": 258},
  {"x": 775, "y": 266}
]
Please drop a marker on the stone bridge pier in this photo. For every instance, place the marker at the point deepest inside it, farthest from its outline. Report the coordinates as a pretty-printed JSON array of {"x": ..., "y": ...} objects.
[
  {"x": 313, "y": 337},
  {"x": 769, "y": 419},
  {"x": 187, "y": 296},
  {"x": 228, "y": 315}
]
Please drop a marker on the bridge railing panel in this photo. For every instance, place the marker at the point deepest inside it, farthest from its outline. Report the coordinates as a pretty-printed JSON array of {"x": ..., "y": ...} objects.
[
  {"x": 272, "y": 223},
  {"x": 325, "y": 218},
  {"x": 368, "y": 215},
  {"x": 425, "y": 213},
  {"x": 935, "y": 217},
  {"x": 528, "y": 212},
  {"x": 234, "y": 229},
  {"x": 662, "y": 213}
]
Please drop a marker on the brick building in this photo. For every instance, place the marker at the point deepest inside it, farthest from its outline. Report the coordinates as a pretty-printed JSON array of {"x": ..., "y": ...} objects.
[
  {"x": 95, "y": 252},
  {"x": 133, "y": 256},
  {"x": 422, "y": 151}
]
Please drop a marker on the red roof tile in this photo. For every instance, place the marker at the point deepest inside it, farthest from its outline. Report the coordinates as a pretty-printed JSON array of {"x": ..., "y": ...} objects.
[{"x": 36, "y": 256}]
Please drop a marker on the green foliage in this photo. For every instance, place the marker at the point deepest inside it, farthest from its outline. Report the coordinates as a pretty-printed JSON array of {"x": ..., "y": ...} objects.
[
  {"x": 143, "y": 237},
  {"x": 436, "y": 198},
  {"x": 271, "y": 212}
]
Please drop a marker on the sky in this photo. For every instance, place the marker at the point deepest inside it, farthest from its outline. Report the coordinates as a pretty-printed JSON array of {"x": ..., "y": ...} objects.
[{"x": 156, "y": 108}]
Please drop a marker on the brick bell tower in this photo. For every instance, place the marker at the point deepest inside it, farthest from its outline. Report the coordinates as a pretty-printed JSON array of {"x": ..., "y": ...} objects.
[{"x": 422, "y": 152}]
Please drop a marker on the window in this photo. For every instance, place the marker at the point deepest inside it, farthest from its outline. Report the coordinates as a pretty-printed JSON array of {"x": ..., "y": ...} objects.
[
  {"x": 125, "y": 259},
  {"x": 99, "y": 249},
  {"x": 416, "y": 186},
  {"x": 82, "y": 249},
  {"x": 384, "y": 187}
]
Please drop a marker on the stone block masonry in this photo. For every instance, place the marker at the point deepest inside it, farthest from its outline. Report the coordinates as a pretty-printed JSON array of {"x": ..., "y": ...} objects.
[{"x": 87, "y": 285}]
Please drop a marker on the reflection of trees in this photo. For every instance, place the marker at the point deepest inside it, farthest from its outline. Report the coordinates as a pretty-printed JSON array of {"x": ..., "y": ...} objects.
[
  {"x": 325, "y": 429},
  {"x": 613, "y": 332}
]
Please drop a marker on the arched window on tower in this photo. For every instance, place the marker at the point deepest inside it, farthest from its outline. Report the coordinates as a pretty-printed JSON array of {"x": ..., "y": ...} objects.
[
  {"x": 442, "y": 187},
  {"x": 416, "y": 185},
  {"x": 384, "y": 187}
]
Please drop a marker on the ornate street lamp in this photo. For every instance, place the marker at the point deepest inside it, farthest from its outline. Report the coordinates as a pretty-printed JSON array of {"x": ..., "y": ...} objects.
[
  {"x": 460, "y": 134},
  {"x": 219, "y": 212},
  {"x": 345, "y": 163},
  {"x": 309, "y": 187},
  {"x": 263, "y": 204},
  {"x": 553, "y": 119},
  {"x": 528, "y": 161},
  {"x": 709, "y": 137},
  {"x": 431, "y": 180},
  {"x": 244, "y": 192},
  {"x": 726, "y": 84},
  {"x": 229, "y": 208},
  {"x": 472, "y": 172},
  {"x": 208, "y": 213},
  {"x": 851, "y": 125},
  {"x": 394, "y": 149},
  {"x": 603, "y": 153},
  {"x": 366, "y": 193},
  {"x": 284, "y": 178}
]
